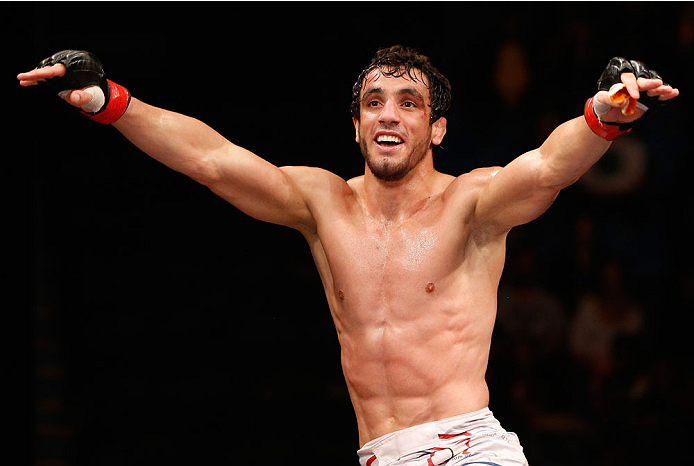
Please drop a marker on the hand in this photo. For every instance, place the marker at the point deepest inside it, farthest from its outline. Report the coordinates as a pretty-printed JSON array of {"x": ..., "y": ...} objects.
[
  {"x": 79, "y": 98},
  {"x": 614, "y": 109}
]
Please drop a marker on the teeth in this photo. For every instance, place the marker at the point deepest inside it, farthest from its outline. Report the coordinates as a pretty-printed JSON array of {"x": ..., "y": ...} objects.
[{"x": 387, "y": 138}]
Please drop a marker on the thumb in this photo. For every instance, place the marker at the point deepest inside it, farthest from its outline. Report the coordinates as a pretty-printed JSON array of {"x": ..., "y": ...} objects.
[
  {"x": 603, "y": 104},
  {"x": 617, "y": 105},
  {"x": 90, "y": 99}
]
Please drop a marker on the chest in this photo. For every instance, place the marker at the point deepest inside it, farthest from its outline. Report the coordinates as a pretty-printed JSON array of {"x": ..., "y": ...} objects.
[{"x": 373, "y": 253}]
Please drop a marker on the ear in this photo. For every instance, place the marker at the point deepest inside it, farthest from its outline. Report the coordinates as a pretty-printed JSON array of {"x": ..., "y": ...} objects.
[
  {"x": 356, "y": 128},
  {"x": 438, "y": 131}
]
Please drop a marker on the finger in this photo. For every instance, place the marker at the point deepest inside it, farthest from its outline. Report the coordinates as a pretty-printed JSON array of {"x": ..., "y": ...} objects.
[
  {"x": 665, "y": 92},
  {"x": 52, "y": 71},
  {"x": 603, "y": 103},
  {"x": 40, "y": 74},
  {"x": 674, "y": 93},
  {"x": 27, "y": 83},
  {"x": 603, "y": 98},
  {"x": 632, "y": 87},
  {"x": 645, "y": 84},
  {"x": 78, "y": 98},
  {"x": 89, "y": 99}
]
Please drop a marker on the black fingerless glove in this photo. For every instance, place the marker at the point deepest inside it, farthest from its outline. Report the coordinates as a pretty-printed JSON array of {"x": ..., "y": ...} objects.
[
  {"x": 613, "y": 75},
  {"x": 84, "y": 69},
  {"x": 618, "y": 65}
]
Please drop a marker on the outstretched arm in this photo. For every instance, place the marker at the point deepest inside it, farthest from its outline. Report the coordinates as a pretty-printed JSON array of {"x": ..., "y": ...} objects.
[
  {"x": 189, "y": 146},
  {"x": 526, "y": 187}
]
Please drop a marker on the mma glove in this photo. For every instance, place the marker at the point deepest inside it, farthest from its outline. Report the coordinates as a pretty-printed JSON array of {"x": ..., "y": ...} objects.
[
  {"x": 594, "y": 110},
  {"x": 83, "y": 70}
]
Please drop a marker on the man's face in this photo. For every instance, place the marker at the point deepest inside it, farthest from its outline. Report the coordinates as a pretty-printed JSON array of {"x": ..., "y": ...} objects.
[{"x": 394, "y": 131}]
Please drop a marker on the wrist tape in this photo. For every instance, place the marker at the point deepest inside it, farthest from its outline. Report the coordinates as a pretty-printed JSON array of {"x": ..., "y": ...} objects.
[
  {"x": 608, "y": 131},
  {"x": 114, "y": 108}
]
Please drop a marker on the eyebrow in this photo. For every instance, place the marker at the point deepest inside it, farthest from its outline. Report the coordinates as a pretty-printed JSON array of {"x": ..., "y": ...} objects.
[{"x": 404, "y": 91}]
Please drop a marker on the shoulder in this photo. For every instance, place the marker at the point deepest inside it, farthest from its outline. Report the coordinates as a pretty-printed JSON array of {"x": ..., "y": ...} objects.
[
  {"x": 310, "y": 179},
  {"x": 321, "y": 190},
  {"x": 470, "y": 184},
  {"x": 462, "y": 198},
  {"x": 482, "y": 175}
]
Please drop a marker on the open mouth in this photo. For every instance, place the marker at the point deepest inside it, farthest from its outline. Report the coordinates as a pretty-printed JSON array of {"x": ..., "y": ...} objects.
[{"x": 388, "y": 140}]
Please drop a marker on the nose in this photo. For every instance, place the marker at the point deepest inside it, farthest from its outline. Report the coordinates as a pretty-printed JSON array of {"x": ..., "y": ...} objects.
[{"x": 389, "y": 113}]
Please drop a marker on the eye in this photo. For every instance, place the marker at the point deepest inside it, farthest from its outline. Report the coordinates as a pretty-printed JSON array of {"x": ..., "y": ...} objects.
[
  {"x": 373, "y": 103},
  {"x": 409, "y": 104}
]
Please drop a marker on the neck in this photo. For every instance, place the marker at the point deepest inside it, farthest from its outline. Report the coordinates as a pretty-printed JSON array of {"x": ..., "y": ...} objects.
[{"x": 397, "y": 200}]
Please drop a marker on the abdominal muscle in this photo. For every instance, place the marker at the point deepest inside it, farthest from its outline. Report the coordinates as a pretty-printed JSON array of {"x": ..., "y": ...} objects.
[{"x": 414, "y": 361}]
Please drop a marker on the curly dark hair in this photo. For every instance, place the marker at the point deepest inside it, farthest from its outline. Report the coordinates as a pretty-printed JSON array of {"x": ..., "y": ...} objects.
[{"x": 399, "y": 60}]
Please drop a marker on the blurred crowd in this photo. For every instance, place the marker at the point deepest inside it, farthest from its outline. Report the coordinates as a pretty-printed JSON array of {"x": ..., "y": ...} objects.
[{"x": 590, "y": 359}]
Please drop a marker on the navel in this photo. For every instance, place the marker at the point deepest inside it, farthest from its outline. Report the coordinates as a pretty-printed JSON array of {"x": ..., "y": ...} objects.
[
  {"x": 341, "y": 295},
  {"x": 430, "y": 287}
]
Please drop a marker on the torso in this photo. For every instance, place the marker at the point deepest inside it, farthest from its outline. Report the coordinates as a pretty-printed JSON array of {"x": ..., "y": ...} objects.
[{"x": 413, "y": 301}]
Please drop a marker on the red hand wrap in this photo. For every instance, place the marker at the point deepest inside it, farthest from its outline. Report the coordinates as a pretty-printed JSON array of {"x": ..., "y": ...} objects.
[
  {"x": 118, "y": 101},
  {"x": 608, "y": 131}
]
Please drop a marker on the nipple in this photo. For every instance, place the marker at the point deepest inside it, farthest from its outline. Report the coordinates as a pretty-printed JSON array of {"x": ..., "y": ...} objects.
[
  {"x": 430, "y": 287},
  {"x": 341, "y": 295}
]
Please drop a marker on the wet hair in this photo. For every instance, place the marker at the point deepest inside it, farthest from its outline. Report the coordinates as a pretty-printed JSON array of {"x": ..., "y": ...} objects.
[{"x": 397, "y": 61}]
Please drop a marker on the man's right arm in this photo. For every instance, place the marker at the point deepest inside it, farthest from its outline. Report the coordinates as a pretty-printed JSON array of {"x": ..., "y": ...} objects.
[{"x": 189, "y": 146}]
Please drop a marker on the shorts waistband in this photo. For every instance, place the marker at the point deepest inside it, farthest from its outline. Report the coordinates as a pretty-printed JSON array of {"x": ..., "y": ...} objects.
[{"x": 390, "y": 447}]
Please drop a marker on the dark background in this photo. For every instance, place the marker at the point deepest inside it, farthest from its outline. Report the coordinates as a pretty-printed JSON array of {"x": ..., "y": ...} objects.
[{"x": 168, "y": 327}]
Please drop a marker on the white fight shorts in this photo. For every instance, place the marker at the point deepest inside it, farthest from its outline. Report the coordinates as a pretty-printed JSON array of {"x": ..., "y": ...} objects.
[{"x": 474, "y": 438}]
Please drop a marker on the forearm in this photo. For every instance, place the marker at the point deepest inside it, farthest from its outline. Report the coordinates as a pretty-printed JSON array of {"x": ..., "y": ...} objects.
[
  {"x": 569, "y": 152},
  {"x": 180, "y": 142}
]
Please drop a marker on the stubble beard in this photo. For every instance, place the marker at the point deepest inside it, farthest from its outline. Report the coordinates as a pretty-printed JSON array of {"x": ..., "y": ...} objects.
[{"x": 387, "y": 168}]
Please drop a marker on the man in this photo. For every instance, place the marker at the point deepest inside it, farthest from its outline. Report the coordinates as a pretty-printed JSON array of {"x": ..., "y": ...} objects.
[{"x": 410, "y": 258}]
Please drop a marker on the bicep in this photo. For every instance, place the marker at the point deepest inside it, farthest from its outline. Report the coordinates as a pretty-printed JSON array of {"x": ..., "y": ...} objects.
[
  {"x": 516, "y": 194},
  {"x": 259, "y": 189},
  {"x": 526, "y": 187},
  {"x": 189, "y": 146}
]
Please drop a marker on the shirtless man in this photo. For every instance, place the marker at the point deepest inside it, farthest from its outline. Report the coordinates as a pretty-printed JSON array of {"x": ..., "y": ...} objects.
[{"x": 410, "y": 258}]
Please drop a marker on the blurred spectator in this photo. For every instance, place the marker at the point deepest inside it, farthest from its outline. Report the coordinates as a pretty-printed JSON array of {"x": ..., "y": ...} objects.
[
  {"x": 528, "y": 313},
  {"x": 533, "y": 324},
  {"x": 601, "y": 319},
  {"x": 511, "y": 74}
]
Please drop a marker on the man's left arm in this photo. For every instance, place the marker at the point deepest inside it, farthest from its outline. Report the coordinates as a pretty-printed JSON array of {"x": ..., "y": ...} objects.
[{"x": 526, "y": 187}]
